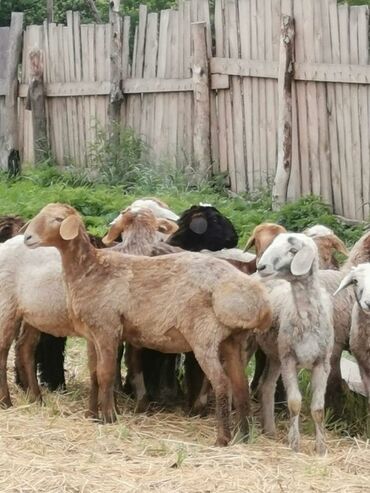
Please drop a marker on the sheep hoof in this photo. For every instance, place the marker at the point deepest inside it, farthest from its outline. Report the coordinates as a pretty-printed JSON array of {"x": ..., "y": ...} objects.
[
  {"x": 142, "y": 405},
  {"x": 109, "y": 418},
  {"x": 201, "y": 411},
  {"x": 222, "y": 441},
  {"x": 270, "y": 434},
  {"x": 93, "y": 415},
  {"x": 320, "y": 448},
  {"x": 5, "y": 403}
]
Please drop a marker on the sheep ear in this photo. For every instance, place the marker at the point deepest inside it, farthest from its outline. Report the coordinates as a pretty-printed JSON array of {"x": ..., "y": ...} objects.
[
  {"x": 166, "y": 226},
  {"x": 346, "y": 281},
  {"x": 69, "y": 227},
  {"x": 250, "y": 243},
  {"x": 302, "y": 261},
  {"x": 198, "y": 225},
  {"x": 114, "y": 231},
  {"x": 339, "y": 246},
  {"x": 23, "y": 228}
]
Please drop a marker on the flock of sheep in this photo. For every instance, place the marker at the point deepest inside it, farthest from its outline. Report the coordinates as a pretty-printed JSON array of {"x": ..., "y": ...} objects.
[{"x": 164, "y": 285}]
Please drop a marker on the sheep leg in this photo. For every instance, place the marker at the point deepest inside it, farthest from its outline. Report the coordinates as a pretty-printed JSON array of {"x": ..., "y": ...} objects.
[
  {"x": 319, "y": 378},
  {"x": 118, "y": 386},
  {"x": 25, "y": 349},
  {"x": 365, "y": 377},
  {"x": 92, "y": 411},
  {"x": 210, "y": 363},
  {"x": 267, "y": 394},
  {"x": 334, "y": 394},
  {"x": 134, "y": 361},
  {"x": 8, "y": 332},
  {"x": 231, "y": 353},
  {"x": 260, "y": 362},
  {"x": 197, "y": 386},
  {"x": 50, "y": 361},
  {"x": 290, "y": 379},
  {"x": 199, "y": 408},
  {"x": 106, "y": 371}
]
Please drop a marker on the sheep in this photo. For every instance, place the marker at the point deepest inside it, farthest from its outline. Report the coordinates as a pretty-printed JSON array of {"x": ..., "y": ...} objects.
[
  {"x": 9, "y": 227},
  {"x": 174, "y": 303},
  {"x": 359, "y": 341},
  {"x": 305, "y": 335},
  {"x": 327, "y": 243},
  {"x": 42, "y": 305}
]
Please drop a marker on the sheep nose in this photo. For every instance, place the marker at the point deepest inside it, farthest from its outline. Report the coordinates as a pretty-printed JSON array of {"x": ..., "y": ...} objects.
[{"x": 261, "y": 267}]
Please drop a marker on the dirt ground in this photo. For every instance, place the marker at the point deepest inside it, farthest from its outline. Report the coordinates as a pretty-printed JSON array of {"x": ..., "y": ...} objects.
[{"x": 53, "y": 448}]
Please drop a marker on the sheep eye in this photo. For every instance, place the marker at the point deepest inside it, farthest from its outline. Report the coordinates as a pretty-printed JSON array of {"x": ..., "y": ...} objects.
[
  {"x": 59, "y": 219},
  {"x": 355, "y": 282},
  {"x": 293, "y": 250}
]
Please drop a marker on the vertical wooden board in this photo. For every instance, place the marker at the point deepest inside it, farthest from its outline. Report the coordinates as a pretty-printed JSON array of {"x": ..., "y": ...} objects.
[
  {"x": 329, "y": 109},
  {"x": 295, "y": 181},
  {"x": 85, "y": 77},
  {"x": 343, "y": 16},
  {"x": 255, "y": 109},
  {"x": 364, "y": 101},
  {"x": 92, "y": 78},
  {"x": 245, "y": 52},
  {"x": 62, "y": 102},
  {"x": 321, "y": 44},
  {"x": 52, "y": 116},
  {"x": 70, "y": 151},
  {"x": 107, "y": 57},
  {"x": 355, "y": 118},
  {"x": 150, "y": 62},
  {"x": 160, "y": 136},
  {"x": 261, "y": 26},
  {"x": 271, "y": 117},
  {"x": 337, "y": 107},
  {"x": 80, "y": 106},
  {"x": 139, "y": 65},
  {"x": 301, "y": 101},
  {"x": 100, "y": 75},
  {"x": 181, "y": 159},
  {"x": 188, "y": 97},
  {"x": 125, "y": 64},
  {"x": 172, "y": 72},
  {"x": 311, "y": 95},
  {"x": 221, "y": 113},
  {"x": 239, "y": 173}
]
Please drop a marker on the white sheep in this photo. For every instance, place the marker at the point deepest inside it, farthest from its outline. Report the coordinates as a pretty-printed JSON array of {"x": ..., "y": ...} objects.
[
  {"x": 359, "y": 341},
  {"x": 302, "y": 313}
]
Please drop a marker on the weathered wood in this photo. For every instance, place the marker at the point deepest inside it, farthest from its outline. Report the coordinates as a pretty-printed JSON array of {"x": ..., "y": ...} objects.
[
  {"x": 116, "y": 95},
  {"x": 36, "y": 104},
  {"x": 284, "y": 163},
  {"x": 50, "y": 10},
  {"x": 202, "y": 157},
  {"x": 14, "y": 54}
]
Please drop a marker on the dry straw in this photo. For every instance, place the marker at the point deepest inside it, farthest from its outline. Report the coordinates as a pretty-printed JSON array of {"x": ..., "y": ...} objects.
[{"x": 53, "y": 448}]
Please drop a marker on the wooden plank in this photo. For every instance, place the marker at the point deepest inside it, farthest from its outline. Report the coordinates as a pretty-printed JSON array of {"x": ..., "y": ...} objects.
[
  {"x": 221, "y": 113},
  {"x": 330, "y": 110},
  {"x": 301, "y": 102},
  {"x": 311, "y": 97},
  {"x": 244, "y": 67},
  {"x": 240, "y": 184},
  {"x": 188, "y": 105},
  {"x": 255, "y": 108},
  {"x": 139, "y": 65},
  {"x": 72, "y": 78},
  {"x": 70, "y": 151},
  {"x": 355, "y": 118},
  {"x": 245, "y": 50},
  {"x": 85, "y": 76},
  {"x": 3, "y": 87},
  {"x": 125, "y": 64},
  {"x": 92, "y": 77},
  {"x": 364, "y": 102},
  {"x": 180, "y": 154},
  {"x": 270, "y": 96},
  {"x": 101, "y": 100},
  {"x": 172, "y": 71},
  {"x": 321, "y": 40},
  {"x": 343, "y": 16},
  {"x": 261, "y": 26},
  {"x": 80, "y": 101},
  {"x": 284, "y": 163}
]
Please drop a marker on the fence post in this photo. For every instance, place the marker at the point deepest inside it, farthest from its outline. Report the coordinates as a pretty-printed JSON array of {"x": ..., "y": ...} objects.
[
  {"x": 285, "y": 79},
  {"x": 11, "y": 99},
  {"x": 36, "y": 103},
  {"x": 116, "y": 95},
  {"x": 201, "y": 128}
]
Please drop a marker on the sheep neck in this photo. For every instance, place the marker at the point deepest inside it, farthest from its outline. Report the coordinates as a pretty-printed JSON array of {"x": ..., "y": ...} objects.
[
  {"x": 77, "y": 255},
  {"x": 304, "y": 291},
  {"x": 138, "y": 241}
]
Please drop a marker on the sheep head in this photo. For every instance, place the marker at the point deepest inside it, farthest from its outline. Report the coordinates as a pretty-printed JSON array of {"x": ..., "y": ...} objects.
[
  {"x": 140, "y": 218},
  {"x": 204, "y": 227},
  {"x": 10, "y": 226},
  {"x": 359, "y": 278},
  {"x": 53, "y": 225},
  {"x": 262, "y": 237},
  {"x": 290, "y": 256}
]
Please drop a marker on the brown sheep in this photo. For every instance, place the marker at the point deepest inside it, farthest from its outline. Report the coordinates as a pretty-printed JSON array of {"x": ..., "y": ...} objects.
[{"x": 174, "y": 303}]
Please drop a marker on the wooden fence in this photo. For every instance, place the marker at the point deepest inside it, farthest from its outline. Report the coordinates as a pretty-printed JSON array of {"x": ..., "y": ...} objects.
[{"x": 214, "y": 98}]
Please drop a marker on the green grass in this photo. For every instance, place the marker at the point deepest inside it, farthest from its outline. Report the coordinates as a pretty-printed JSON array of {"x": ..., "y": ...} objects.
[{"x": 99, "y": 203}]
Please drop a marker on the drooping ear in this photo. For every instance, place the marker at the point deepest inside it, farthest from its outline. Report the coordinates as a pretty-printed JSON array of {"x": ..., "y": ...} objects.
[
  {"x": 346, "y": 281},
  {"x": 302, "y": 261},
  {"x": 165, "y": 226},
  {"x": 338, "y": 245},
  {"x": 114, "y": 231},
  {"x": 23, "y": 228},
  {"x": 69, "y": 227},
  {"x": 198, "y": 224},
  {"x": 250, "y": 242}
]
